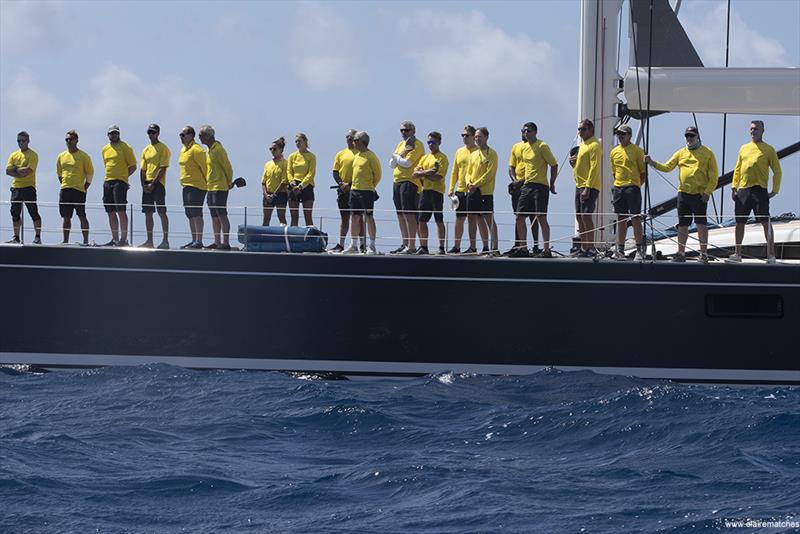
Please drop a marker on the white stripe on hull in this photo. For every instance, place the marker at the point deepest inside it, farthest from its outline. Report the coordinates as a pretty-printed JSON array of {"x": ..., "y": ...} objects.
[
  {"x": 389, "y": 368},
  {"x": 409, "y": 278}
]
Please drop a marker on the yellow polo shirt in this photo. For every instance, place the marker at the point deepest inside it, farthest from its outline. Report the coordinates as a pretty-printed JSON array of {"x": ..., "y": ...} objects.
[
  {"x": 753, "y": 165},
  {"x": 74, "y": 169},
  {"x": 118, "y": 158},
  {"x": 302, "y": 168},
  {"x": 402, "y": 174},
  {"x": 698, "y": 170},
  {"x": 587, "y": 167},
  {"x": 483, "y": 170},
  {"x": 366, "y": 171},
  {"x": 343, "y": 164},
  {"x": 219, "y": 175},
  {"x": 193, "y": 166},
  {"x": 627, "y": 165},
  {"x": 153, "y": 158},
  {"x": 535, "y": 158},
  {"x": 17, "y": 159},
  {"x": 515, "y": 160},
  {"x": 274, "y": 177},
  {"x": 458, "y": 178},
  {"x": 426, "y": 162}
]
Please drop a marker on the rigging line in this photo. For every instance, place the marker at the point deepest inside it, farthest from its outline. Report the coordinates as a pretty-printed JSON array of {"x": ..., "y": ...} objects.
[
  {"x": 725, "y": 115},
  {"x": 647, "y": 201},
  {"x": 717, "y": 215}
]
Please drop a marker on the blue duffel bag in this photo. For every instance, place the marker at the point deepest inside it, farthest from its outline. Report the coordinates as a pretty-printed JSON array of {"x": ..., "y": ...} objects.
[{"x": 282, "y": 238}]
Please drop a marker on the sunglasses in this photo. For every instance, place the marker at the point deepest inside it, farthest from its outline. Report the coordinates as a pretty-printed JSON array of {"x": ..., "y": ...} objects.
[
  {"x": 432, "y": 142},
  {"x": 70, "y": 139},
  {"x": 404, "y": 130},
  {"x": 465, "y": 135},
  {"x": 150, "y": 132},
  {"x": 689, "y": 136},
  {"x": 622, "y": 134},
  {"x": 273, "y": 148},
  {"x": 113, "y": 133},
  {"x": 583, "y": 129}
]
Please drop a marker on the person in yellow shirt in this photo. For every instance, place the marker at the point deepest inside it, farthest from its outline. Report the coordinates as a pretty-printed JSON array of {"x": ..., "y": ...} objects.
[
  {"x": 363, "y": 194},
  {"x": 193, "y": 169},
  {"x": 301, "y": 167},
  {"x": 21, "y": 167},
  {"x": 630, "y": 172},
  {"x": 480, "y": 194},
  {"x": 697, "y": 179},
  {"x": 120, "y": 163},
  {"x": 75, "y": 172},
  {"x": 458, "y": 184},
  {"x": 534, "y": 197},
  {"x": 405, "y": 193},
  {"x": 749, "y": 188},
  {"x": 516, "y": 171},
  {"x": 431, "y": 171},
  {"x": 275, "y": 183},
  {"x": 586, "y": 170},
  {"x": 343, "y": 175},
  {"x": 219, "y": 180},
  {"x": 153, "y": 175}
]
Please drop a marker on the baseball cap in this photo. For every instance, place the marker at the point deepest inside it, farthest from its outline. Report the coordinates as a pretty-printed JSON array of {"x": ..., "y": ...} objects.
[
  {"x": 155, "y": 127},
  {"x": 692, "y": 129},
  {"x": 113, "y": 128},
  {"x": 624, "y": 128}
]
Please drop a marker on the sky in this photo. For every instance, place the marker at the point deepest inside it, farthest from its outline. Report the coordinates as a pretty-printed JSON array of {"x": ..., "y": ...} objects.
[{"x": 259, "y": 70}]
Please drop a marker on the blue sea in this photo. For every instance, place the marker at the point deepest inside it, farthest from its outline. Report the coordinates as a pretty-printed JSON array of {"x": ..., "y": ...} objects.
[{"x": 164, "y": 449}]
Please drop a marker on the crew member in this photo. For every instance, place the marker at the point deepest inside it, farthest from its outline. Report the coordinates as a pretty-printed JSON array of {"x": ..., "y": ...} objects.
[
  {"x": 193, "y": 167},
  {"x": 343, "y": 176},
  {"x": 458, "y": 183},
  {"x": 406, "y": 188},
  {"x": 750, "y": 180},
  {"x": 431, "y": 170},
  {"x": 274, "y": 183},
  {"x": 153, "y": 174},
  {"x": 120, "y": 163},
  {"x": 697, "y": 179},
  {"x": 586, "y": 169},
  {"x": 301, "y": 168},
  {"x": 21, "y": 167},
  {"x": 630, "y": 172},
  {"x": 75, "y": 172},
  {"x": 366, "y": 176},
  {"x": 516, "y": 171},
  {"x": 219, "y": 180},
  {"x": 535, "y": 157},
  {"x": 480, "y": 197}
]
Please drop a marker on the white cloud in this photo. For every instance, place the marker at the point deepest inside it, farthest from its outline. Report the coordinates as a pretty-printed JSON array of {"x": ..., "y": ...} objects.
[
  {"x": 464, "y": 55},
  {"x": 321, "y": 55},
  {"x": 706, "y": 28},
  {"x": 24, "y": 99},
  {"x": 30, "y": 24}
]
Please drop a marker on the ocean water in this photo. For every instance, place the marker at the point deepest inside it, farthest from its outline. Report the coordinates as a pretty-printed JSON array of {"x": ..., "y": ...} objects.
[{"x": 164, "y": 449}]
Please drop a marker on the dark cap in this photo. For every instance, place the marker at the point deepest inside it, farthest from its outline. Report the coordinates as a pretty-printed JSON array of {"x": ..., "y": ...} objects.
[
  {"x": 155, "y": 127},
  {"x": 692, "y": 129}
]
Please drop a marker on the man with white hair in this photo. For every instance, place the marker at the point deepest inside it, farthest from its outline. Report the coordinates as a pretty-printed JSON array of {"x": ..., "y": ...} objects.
[
  {"x": 406, "y": 186},
  {"x": 749, "y": 188},
  {"x": 219, "y": 180}
]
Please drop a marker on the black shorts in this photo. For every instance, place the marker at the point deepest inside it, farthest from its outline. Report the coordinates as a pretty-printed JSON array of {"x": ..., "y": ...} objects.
[
  {"x": 115, "y": 195},
  {"x": 627, "y": 200},
  {"x": 305, "y": 195},
  {"x": 70, "y": 200},
  {"x": 588, "y": 205},
  {"x": 405, "y": 196},
  {"x": 431, "y": 202},
  {"x": 533, "y": 199},
  {"x": 155, "y": 199},
  {"x": 193, "y": 199},
  {"x": 461, "y": 210},
  {"x": 516, "y": 192},
  {"x": 361, "y": 201},
  {"x": 217, "y": 203},
  {"x": 28, "y": 196},
  {"x": 477, "y": 203},
  {"x": 755, "y": 199},
  {"x": 343, "y": 201},
  {"x": 691, "y": 206},
  {"x": 279, "y": 200}
]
